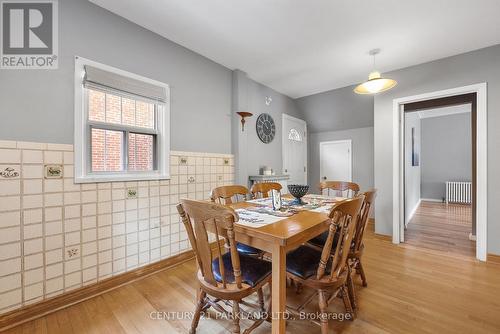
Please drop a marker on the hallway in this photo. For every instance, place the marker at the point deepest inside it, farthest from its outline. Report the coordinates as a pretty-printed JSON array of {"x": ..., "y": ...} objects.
[{"x": 441, "y": 227}]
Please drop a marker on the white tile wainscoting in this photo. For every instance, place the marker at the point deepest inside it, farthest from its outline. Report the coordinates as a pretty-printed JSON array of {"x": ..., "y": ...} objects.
[{"x": 56, "y": 235}]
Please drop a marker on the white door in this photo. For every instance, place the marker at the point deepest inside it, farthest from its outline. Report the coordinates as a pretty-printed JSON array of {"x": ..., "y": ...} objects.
[
  {"x": 335, "y": 160},
  {"x": 294, "y": 149}
]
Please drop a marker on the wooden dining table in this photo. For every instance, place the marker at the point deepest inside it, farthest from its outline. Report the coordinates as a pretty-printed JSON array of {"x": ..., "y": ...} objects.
[{"x": 279, "y": 238}]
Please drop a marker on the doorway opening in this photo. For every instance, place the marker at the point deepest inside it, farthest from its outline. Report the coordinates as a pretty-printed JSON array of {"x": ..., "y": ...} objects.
[
  {"x": 439, "y": 174},
  {"x": 480, "y": 174}
]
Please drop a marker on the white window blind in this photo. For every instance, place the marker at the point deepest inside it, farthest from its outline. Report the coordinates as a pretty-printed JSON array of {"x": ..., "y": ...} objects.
[{"x": 102, "y": 78}]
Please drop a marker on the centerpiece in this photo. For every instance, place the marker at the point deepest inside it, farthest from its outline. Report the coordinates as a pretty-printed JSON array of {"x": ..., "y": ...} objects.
[{"x": 298, "y": 191}]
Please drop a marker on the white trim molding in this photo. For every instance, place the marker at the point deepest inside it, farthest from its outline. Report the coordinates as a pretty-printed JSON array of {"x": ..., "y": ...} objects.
[
  {"x": 435, "y": 200},
  {"x": 413, "y": 211},
  {"x": 481, "y": 161}
]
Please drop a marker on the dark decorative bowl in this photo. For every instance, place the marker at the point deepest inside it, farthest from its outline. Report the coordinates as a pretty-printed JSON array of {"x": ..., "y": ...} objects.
[{"x": 297, "y": 191}]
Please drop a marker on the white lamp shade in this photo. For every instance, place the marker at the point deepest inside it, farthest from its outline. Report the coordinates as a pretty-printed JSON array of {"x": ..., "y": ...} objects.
[{"x": 375, "y": 84}]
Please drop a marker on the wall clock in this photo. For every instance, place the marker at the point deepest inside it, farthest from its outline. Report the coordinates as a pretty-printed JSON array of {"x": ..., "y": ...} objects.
[{"x": 266, "y": 129}]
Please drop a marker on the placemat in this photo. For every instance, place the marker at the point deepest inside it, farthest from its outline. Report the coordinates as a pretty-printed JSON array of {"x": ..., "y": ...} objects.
[{"x": 256, "y": 219}]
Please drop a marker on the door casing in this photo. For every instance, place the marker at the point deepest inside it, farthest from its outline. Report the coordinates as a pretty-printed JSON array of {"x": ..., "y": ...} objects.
[{"x": 481, "y": 160}]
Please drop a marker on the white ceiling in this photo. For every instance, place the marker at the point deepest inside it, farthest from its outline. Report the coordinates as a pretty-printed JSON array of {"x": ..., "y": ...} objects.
[
  {"x": 301, "y": 47},
  {"x": 445, "y": 111}
]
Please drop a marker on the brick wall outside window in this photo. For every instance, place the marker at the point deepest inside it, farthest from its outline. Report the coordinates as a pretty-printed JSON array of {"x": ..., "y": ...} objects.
[
  {"x": 140, "y": 154},
  {"x": 106, "y": 150},
  {"x": 107, "y": 145}
]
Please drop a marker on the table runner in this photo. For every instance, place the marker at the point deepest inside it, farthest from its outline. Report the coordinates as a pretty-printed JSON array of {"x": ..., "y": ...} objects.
[{"x": 262, "y": 214}]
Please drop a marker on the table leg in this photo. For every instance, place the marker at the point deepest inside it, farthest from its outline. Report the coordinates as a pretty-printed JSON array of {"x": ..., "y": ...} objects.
[{"x": 279, "y": 289}]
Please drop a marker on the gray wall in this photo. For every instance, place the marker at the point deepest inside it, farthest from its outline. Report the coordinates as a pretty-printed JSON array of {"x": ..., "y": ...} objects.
[
  {"x": 412, "y": 173},
  {"x": 251, "y": 152},
  {"x": 446, "y": 153},
  {"x": 260, "y": 154},
  {"x": 470, "y": 68},
  {"x": 335, "y": 115},
  {"x": 362, "y": 155},
  {"x": 37, "y": 105},
  {"x": 338, "y": 109}
]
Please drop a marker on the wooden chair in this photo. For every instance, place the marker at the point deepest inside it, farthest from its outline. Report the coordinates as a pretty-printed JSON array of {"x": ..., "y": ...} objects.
[
  {"x": 341, "y": 188},
  {"x": 327, "y": 271},
  {"x": 230, "y": 194},
  {"x": 229, "y": 276},
  {"x": 357, "y": 246},
  {"x": 262, "y": 189}
]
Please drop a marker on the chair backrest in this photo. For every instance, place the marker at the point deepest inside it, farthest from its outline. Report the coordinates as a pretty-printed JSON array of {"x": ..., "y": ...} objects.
[
  {"x": 343, "y": 218},
  {"x": 229, "y": 194},
  {"x": 363, "y": 218},
  {"x": 341, "y": 188},
  {"x": 201, "y": 218},
  {"x": 262, "y": 189}
]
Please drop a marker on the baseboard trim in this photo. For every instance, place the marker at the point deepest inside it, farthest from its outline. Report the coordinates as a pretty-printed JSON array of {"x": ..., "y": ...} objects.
[
  {"x": 431, "y": 200},
  {"x": 31, "y": 312},
  {"x": 371, "y": 223},
  {"x": 415, "y": 208},
  {"x": 383, "y": 237},
  {"x": 493, "y": 258}
]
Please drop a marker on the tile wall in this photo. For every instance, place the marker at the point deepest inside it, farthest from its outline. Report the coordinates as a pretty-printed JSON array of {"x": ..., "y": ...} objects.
[{"x": 56, "y": 236}]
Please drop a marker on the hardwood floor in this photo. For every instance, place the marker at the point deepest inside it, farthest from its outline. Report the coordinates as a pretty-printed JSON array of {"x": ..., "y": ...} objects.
[
  {"x": 410, "y": 290},
  {"x": 437, "y": 226}
]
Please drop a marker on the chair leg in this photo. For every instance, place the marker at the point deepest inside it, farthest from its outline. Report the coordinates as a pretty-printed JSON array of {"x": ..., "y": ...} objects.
[
  {"x": 362, "y": 273},
  {"x": 236, "y": 317},
  {"x": 197, "y": 313},
  {"x": 352, "y": 292},
  {"x": 269, "y": 314},
  {"x": 260, "y": 293},
  {"x": 265, "y": 316},
  {"x": 298, "y": 288},
  {"x": 347, "y": 301},
  {"x": 323, "y": 305}
]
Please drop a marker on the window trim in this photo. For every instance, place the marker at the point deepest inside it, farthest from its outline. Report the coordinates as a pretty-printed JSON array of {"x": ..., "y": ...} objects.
[{"x": 82, "y": 146}]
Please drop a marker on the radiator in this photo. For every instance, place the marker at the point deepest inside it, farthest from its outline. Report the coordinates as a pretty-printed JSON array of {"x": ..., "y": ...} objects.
[{"x": 459, "y": 192}]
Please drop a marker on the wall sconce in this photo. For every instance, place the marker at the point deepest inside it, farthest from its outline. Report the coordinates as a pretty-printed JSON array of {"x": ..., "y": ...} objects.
[
  {"x": 268, "y": 100},
  {"x": 243, "y": 115}
]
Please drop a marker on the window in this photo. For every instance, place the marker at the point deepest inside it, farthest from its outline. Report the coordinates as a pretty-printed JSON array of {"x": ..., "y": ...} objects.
[
  {"x": 118, "y": 123},
  {"x": 294, "y": 135},
  {"x": 121, "y": 125}
]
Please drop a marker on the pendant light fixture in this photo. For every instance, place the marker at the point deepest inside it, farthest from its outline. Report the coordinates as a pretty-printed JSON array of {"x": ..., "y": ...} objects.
[{"x": 375, "y": 84}]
